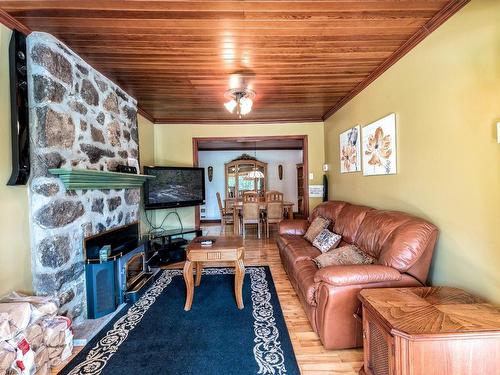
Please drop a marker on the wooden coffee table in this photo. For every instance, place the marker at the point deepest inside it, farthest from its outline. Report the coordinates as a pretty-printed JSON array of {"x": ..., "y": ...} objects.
[{"x": 224, "y": 249}]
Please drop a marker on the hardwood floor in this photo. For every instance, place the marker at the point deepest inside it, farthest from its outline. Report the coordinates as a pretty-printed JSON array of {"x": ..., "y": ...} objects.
[{"x": 312, "y": 358}]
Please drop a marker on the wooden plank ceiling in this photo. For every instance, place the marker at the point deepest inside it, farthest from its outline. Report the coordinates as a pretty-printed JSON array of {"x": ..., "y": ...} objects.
[{"x": 304, "y": 59}]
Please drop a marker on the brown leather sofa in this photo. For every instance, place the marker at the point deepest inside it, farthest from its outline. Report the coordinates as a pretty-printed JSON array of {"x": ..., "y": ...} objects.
[{"x": 401, "y": 243}]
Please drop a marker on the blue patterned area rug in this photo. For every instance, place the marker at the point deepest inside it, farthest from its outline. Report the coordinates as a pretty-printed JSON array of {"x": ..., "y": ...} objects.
[{"x": 156, "y": 335}]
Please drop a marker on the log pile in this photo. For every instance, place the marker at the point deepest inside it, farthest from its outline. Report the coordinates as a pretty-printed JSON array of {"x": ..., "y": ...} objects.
[{"x": 33, "y": 338}]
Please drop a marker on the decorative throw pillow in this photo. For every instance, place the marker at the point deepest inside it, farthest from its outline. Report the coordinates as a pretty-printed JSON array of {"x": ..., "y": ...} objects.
[
  {"x": 316, "y": 227},
  {"x": 326, "y": 240},
  {"x": 344, "y": 255}
]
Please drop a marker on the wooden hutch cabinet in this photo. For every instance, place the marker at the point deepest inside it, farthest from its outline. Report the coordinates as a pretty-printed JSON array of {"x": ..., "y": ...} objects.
[{"x": 241, "y": 176}]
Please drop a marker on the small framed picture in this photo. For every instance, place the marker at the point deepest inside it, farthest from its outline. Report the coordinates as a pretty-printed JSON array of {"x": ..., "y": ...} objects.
[{"x": 350, "y": 150}]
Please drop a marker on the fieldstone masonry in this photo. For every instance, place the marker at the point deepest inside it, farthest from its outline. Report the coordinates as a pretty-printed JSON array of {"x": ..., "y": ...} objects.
[{"x": 78, "y": 119}]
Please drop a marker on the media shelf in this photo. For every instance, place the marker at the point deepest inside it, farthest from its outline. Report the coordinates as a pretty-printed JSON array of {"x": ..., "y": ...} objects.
[{"x": 167, "y": 246}]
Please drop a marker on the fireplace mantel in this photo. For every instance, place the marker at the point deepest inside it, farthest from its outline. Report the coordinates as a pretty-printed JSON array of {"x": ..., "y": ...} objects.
[{"x": 74, "y": 179}]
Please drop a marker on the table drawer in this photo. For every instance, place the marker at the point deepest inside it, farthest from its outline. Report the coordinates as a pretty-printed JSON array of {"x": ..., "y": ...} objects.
[{"x": 213, "y": 255}]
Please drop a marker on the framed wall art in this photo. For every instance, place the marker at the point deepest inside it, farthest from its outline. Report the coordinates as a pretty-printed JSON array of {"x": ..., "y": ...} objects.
[
  {"x": 379, "y": 146},
  {"x": 350, "y": 150}
]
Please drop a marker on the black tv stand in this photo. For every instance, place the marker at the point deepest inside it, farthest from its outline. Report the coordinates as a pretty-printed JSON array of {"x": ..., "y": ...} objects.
[{"x": 167, "y": 246}]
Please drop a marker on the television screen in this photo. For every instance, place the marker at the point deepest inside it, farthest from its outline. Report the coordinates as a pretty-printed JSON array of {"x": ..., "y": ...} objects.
[{"x": 174, "y": 187}]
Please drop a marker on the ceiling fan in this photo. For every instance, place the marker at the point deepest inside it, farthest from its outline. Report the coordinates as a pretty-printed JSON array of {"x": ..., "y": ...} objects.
[{"x": 240, "y": 95}]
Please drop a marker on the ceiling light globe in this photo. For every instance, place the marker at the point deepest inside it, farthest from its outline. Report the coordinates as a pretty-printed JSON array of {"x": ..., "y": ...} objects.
[
  {"x": 245, "y": 105},
  {"x": 230, "y": 105}
]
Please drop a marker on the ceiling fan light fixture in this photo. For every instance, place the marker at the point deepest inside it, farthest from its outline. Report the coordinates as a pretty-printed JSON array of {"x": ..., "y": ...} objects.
[{"x": 240, "y": 99}]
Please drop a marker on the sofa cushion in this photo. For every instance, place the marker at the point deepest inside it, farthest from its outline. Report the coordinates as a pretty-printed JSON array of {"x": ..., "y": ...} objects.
[
  {"x": 406, "y": 244},
  {"x": 304, "y": 271},
  {"x": 329, "y": 210},
  {"x": 284, "y": 240},
  {"x": 317, "y": 225},
  {"x": 345, "y": 255},
  {"x": 349, "y": 220},
  {"x": 376, "y": 228},
  {"x": 326, "y": 240},
  {"x": 296, "y": 226},
  {"x": 297, "y": 248},
  {"x": 357, "y": 274}
]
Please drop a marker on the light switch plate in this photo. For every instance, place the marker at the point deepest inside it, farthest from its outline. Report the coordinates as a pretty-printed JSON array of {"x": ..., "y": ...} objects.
[{"x": 311, "y": 176}]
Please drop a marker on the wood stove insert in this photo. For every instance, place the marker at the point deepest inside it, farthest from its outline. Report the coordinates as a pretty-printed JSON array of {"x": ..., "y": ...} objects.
[{"x": 126, "y": 265}]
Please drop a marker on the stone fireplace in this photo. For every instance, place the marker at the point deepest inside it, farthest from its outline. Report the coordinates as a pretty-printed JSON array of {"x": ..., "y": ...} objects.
[{"x": 78, "y": 119}]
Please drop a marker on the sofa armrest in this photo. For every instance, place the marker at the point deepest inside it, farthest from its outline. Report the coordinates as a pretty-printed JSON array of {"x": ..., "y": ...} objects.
[
  {"x": 297, "y": 227},
  {"x": 356, "y": 274}
]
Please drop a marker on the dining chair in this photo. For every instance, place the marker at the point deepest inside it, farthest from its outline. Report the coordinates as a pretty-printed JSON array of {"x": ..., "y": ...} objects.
[
  {"x": 274, "y": 214},
  {"x": 229, "y": 204},
  {"x": 251, "y": 215},
  {"x": 250, "y": 196},
  {"x": 226, "y": 215},
  {"x": 274, "y": 196}
]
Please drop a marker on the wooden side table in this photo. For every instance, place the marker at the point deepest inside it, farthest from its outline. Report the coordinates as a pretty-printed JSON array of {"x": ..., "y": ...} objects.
[
  {"x": 224, "y": 249},
  {"x": 427, "y": 331}
]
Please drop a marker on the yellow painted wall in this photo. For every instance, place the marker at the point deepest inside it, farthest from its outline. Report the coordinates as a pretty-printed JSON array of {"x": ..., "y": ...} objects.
[
  {"x": 146, "y": 156},
  {"x": 146, "y": 141},
  {"x": 446, "y": 94},
  {"x": 15, "y": 255},
  {"x": 173, "y": 146}
]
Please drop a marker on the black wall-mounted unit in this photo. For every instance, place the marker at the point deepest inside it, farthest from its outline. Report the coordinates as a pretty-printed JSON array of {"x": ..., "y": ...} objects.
[
  {"x": 19, "y": 116},
  {"x": 325, "y": 188}
]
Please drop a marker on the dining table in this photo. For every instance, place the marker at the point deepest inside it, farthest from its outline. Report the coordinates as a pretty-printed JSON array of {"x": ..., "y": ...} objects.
[{"x": 238, "y": 207}]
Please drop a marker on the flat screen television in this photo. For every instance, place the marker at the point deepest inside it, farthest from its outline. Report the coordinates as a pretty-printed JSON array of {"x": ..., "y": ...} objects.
[{"x": 174, "y": 187}]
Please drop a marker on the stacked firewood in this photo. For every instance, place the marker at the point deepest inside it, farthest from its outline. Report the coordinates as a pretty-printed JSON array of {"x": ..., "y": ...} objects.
[{"x": 33, "y": 339}]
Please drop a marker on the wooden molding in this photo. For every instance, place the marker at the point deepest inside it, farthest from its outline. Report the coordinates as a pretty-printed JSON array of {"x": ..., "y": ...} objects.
[
  {"x": 249, "y": 148},
  {"x": 196, "y": 140},
  {"x": 305, "y": 168},
  {"x": 167, "y": 121},
  {"x": 12, "y": 23},
  {"x": 145, "y": 114},
  {"x": 444, "y": 14}
]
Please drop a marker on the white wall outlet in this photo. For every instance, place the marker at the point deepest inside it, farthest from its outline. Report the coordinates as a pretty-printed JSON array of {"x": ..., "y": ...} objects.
[
  {"x": 326, "y": 167},
  {"x": 311, "y": 176}
]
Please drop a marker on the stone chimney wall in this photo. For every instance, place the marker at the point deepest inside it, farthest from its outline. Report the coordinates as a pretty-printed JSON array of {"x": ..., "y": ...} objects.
[{"x": 78, "y": 119}]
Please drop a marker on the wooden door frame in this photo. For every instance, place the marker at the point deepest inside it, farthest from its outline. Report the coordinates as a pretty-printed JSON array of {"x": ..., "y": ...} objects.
[{"x": 305, "y": 159}]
